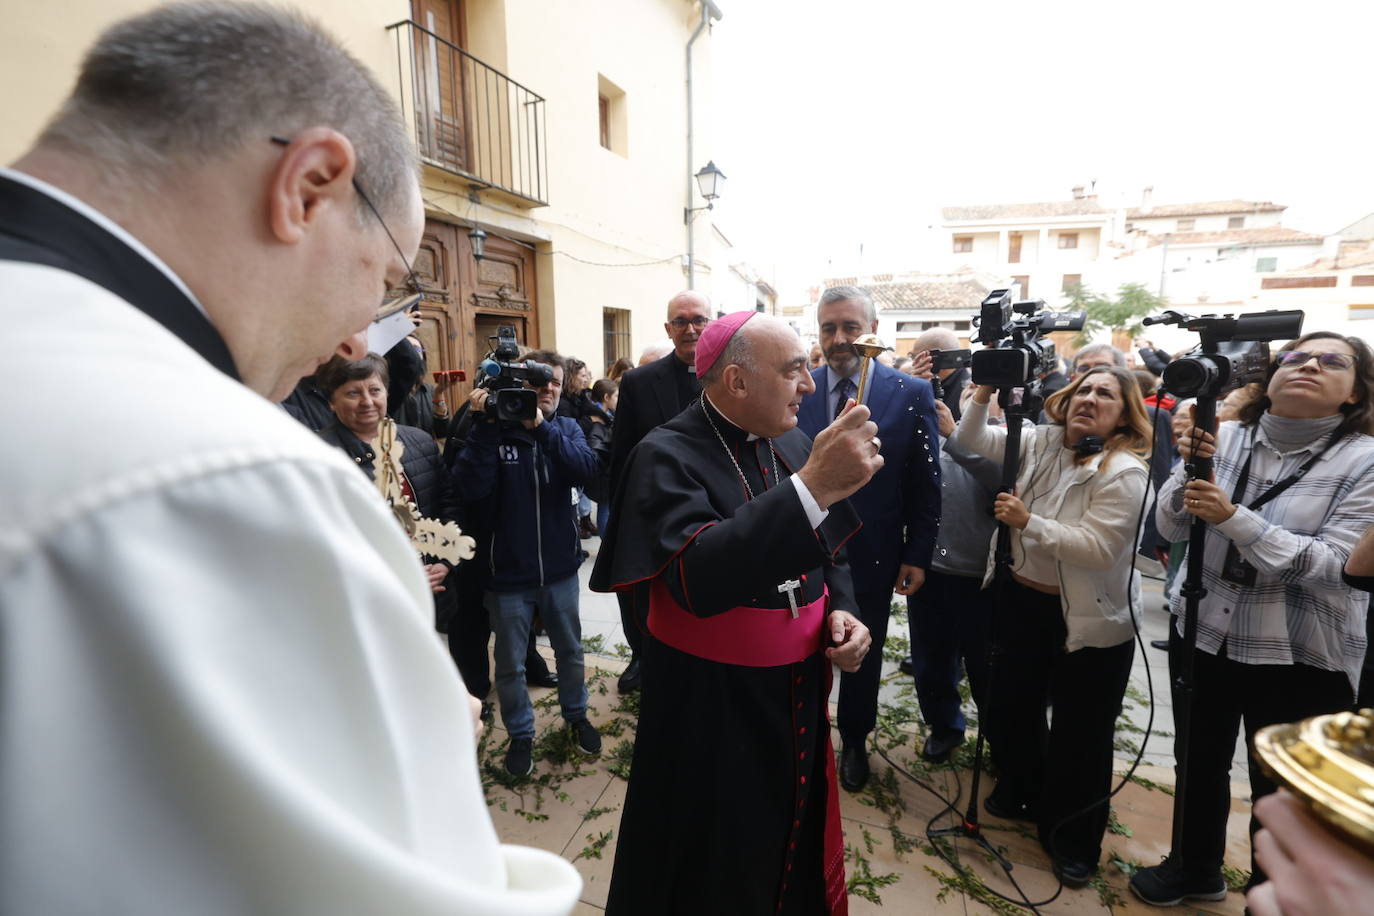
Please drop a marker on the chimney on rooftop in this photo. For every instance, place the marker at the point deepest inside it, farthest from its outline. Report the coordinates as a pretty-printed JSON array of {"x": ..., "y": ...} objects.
[
  {"x": 1147, "y": 199},
  {"x": 1078, "y": 192}
]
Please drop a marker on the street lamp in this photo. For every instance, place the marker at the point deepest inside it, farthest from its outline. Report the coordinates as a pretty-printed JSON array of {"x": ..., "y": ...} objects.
[
  {"x": 710, "y": 180},
  {"x": 479, "y": 243}
]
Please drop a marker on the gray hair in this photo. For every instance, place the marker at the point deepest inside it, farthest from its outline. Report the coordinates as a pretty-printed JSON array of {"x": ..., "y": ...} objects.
[
  {"x": 739, "y": 351},
  {"x": 188, "y": 82},
  {"x": 842, "y": 293},
  {"x": 1118, "y": 358}
]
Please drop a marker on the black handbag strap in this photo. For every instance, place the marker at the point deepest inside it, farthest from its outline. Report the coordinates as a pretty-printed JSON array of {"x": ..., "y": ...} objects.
[{"x": 1244, "y": 479}]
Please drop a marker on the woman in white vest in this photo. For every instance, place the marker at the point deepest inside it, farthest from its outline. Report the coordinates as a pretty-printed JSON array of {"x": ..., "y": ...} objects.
[{"x": 1064, "y": 635}]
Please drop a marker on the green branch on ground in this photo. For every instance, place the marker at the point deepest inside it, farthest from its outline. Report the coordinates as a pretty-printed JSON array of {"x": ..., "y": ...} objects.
[
  {"x": 621, "y": 756},
  {"x": 1236, "y": 878},
  {"x": 1114, "y": 824},
  {"x": 862, "y": 882},
  {"x": 970, "y": 885},
  {"x": 1127, "y": 867},
  {"x": 1106, "y": 893},
  {"x": 1150, "y": 784},
  {"x": 596, "y": 847}
]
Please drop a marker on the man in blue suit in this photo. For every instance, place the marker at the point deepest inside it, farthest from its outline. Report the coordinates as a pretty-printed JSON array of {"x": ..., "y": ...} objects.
[{"x": 899, "y": 507}]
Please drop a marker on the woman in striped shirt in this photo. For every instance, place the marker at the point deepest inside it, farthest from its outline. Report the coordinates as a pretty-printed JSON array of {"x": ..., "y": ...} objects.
[{"x": 1280, "y": 636}]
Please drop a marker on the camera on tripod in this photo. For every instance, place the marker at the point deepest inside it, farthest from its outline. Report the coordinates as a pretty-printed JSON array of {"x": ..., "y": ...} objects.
[
  {"x": 1234, "y": 350},
  {"x": 1015, "y": 354},
  {"x": 511, "y": 401}
]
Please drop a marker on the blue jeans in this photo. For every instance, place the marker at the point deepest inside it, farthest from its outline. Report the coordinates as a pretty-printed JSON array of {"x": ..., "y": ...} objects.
[
  {"x": 512, "y": 614},
  {"x": 949, "y": 619}
]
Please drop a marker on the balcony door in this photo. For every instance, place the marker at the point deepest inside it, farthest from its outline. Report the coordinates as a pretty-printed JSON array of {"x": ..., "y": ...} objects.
[{"x": 440, "y": 110}]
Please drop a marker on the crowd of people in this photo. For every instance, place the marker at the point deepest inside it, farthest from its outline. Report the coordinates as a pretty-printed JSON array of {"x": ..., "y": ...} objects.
[{"x": 219, "y": 646}]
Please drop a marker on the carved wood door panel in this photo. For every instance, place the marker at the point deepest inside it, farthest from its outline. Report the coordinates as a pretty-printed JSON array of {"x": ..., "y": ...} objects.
[
  {"x": 501, "y": 292},
  {"x": 466, "y": 300}
]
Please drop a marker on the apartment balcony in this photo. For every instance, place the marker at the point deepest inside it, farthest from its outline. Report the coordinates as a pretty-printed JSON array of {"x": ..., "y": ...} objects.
[{"x": 470, "y": 119}]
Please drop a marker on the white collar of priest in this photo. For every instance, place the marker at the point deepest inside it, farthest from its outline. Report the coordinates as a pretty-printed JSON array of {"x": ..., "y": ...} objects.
[
  {"x": 104, "y": 222},
  {"x": 748, "y": 436}
]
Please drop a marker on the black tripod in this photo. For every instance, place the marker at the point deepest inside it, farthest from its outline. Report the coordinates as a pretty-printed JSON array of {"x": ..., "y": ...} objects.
[
  {"x": 1017, "y": 404},
  {"x": 1185, "y": 655}
]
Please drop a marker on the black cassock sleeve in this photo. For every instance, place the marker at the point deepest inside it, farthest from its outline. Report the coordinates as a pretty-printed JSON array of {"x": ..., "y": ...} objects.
[{"x": 685, "y": 522}]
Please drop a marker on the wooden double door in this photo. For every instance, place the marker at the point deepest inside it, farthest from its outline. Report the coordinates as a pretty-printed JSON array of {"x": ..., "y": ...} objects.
[{"x": 466, "y": 300}]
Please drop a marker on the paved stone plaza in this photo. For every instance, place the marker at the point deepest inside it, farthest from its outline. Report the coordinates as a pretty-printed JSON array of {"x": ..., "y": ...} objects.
[{"x": 571, "y": 805}]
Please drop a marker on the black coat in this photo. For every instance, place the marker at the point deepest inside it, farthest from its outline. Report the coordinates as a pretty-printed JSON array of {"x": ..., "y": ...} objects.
[
  {"x": 308, "y": 404},
  {"x": 1154, "y": 360},
  {"x": 599, "y": 441},
  {"x": 429, "y": 479},
  {"x": 649, "y": 397}
]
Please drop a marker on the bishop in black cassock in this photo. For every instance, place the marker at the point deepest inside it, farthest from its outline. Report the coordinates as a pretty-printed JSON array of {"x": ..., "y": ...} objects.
[{"x": 732, "y": 804}]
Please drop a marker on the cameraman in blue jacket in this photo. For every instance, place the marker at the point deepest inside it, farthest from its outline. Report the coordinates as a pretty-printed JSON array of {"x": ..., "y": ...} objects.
[{"x": 516, "y": 477}]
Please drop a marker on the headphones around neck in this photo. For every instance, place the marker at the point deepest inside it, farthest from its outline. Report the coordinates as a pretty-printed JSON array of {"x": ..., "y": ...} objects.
[{"x": 1089, "y": 445}]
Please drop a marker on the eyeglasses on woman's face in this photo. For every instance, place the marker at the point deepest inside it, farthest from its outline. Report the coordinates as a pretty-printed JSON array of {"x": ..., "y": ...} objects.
[{"x": 1335, "y": 362}]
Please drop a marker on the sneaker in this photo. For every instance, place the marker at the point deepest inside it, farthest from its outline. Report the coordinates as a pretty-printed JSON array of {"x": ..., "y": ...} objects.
[
  {"x": 1167, "y": 884},
  {"x": 520, "y": 757},
  {"x": 588, "y": 738}
]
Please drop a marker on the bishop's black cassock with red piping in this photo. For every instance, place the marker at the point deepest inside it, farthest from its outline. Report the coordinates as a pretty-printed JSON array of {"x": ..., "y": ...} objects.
[{"x": 732, "y": 805}]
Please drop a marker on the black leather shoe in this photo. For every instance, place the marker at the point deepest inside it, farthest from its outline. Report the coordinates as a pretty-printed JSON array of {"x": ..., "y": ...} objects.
[
  {"x": 938, "y": 747},
  {"x": 1009, "y": 810},
  {"x": 630, "y": 678},
  {"x": 906, "y": 666},
  {"x": 548, "y": 679},
  {"x": 854, "y": 767},
  {"x": 1160, "y": 644},
  {"x": 1074, "y": 874}
]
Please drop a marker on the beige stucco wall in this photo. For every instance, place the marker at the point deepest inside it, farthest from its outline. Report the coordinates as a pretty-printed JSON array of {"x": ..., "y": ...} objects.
[
  {"x": 41, "y": 45},
  {"x": 604, "y": 207}
]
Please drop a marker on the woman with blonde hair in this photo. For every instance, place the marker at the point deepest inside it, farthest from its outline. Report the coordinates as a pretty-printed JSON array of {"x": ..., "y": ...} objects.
[{"x": 1064, "y": 634}]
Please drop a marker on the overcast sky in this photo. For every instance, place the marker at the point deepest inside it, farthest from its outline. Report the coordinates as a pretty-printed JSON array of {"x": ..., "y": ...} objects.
[{"x": 851, "y": 123}]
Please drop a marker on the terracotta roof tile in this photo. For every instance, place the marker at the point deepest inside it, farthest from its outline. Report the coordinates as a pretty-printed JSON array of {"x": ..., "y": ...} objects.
[
  {"x": 1349, "y": 259},
  {"x": 908, "y": 292},
  {"x": 1205, "y": 208},
  {"x": 1085, "y": 207},
  {"x": 1265, "y": 235}
]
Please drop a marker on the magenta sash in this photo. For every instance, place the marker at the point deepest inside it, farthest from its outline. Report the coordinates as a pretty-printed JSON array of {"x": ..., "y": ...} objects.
[{"x": 750, "y": 636}]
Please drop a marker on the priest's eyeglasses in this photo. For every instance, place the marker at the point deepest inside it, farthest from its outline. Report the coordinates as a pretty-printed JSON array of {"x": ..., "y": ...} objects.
[
  {"x": 413, "y": 291},
  {"x": 1334, "y": 361},
  {"x": 699, "y": 322}
]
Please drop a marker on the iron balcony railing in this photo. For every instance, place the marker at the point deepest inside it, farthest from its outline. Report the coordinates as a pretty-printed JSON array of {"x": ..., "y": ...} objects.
[{"x": 471, "y": 119}]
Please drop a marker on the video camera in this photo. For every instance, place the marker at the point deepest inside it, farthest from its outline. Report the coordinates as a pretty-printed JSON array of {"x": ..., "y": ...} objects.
[
  {"x": 510, "y": 401},
  {"x": 1015, "y": 354},
  {"x": 940, "y": 360},
  {"x": 1234, "y": 350}
]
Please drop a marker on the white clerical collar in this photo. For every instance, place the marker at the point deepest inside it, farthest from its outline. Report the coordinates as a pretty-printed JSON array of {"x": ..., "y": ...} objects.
[
  {"x": 104, "y": 222},
  {"x": 750, "y": 437}
]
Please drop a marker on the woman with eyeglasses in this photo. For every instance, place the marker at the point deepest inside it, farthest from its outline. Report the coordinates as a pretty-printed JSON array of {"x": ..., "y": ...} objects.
[{"x": 1280, "y": 636}]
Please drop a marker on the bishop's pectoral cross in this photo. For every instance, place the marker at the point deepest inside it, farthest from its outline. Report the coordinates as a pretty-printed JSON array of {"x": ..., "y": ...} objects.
[{"x": 790, "y": 587}]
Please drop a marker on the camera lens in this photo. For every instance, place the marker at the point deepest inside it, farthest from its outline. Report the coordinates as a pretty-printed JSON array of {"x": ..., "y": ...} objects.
[{"x": 1188, "y": 376}]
